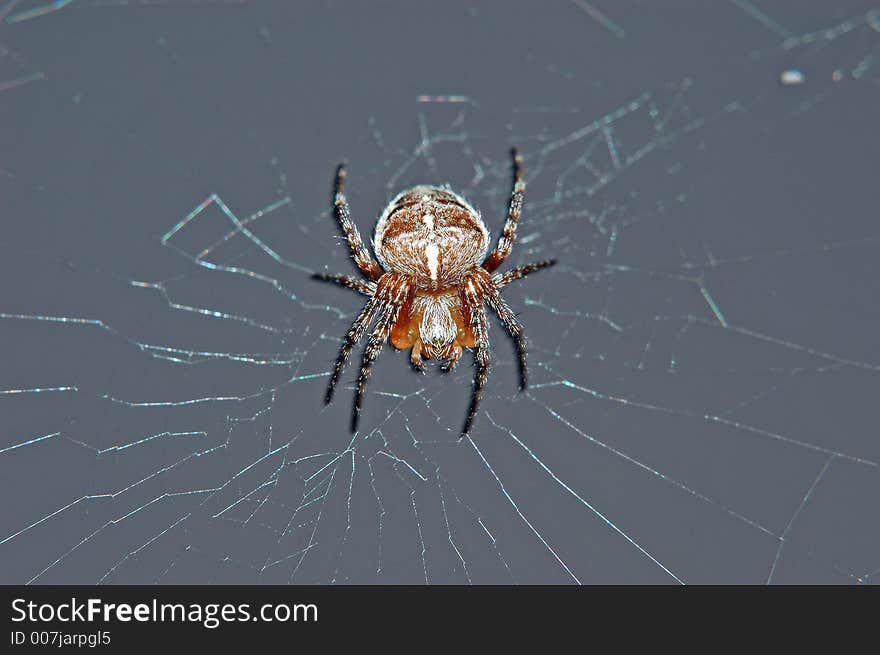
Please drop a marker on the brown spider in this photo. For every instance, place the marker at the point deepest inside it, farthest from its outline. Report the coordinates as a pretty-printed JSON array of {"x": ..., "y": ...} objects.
[{"x": 434, "y": 279}]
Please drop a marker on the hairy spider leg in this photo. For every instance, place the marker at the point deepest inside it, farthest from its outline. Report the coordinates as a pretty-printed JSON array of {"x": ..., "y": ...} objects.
[
  {"x": 501, "y": 280},
  {"x": 508, "y": 234},
  {"x": 472, "y": 304},
  {"x": 400, "y": 290},
  {"x": 362, "y": 255},
  {"x": 362, "y": 286}
]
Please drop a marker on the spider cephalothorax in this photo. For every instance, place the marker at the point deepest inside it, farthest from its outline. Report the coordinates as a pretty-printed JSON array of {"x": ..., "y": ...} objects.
[{"x": 436, "y": 281}]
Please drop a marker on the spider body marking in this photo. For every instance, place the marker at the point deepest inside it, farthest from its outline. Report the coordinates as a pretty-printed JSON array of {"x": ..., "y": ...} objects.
[{"x": 433, "y": 278}]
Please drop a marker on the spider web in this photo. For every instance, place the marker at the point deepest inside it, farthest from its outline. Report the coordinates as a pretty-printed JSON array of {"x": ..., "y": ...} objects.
[{"x": 703, "y": 357}]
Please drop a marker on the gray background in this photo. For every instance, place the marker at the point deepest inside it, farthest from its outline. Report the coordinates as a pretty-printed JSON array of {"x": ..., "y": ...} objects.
[{"x": 704, "y": 357}]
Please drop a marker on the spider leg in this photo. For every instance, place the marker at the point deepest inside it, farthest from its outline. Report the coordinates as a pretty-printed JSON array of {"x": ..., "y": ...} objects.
[
  {"x": 362, "y": 255},
  {"x": 355, "y": 333},
  {"x": 390, "y": 311},
  {"x": 364, "y": 287},
  {"x": 515, "y": 329},
  {"x": 502, "y": 280},
  {"x": 508, "y": 235},
  {"x": 472, "y": 301},
  {"x": 415, "y": 356}
]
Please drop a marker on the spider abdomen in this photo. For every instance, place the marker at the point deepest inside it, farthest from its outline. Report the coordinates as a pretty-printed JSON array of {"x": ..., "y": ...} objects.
[{"x": 432, "y": 235}]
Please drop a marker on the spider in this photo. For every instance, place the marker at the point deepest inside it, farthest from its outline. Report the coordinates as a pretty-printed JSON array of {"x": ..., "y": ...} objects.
[{"x": 433, "y": 277}]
